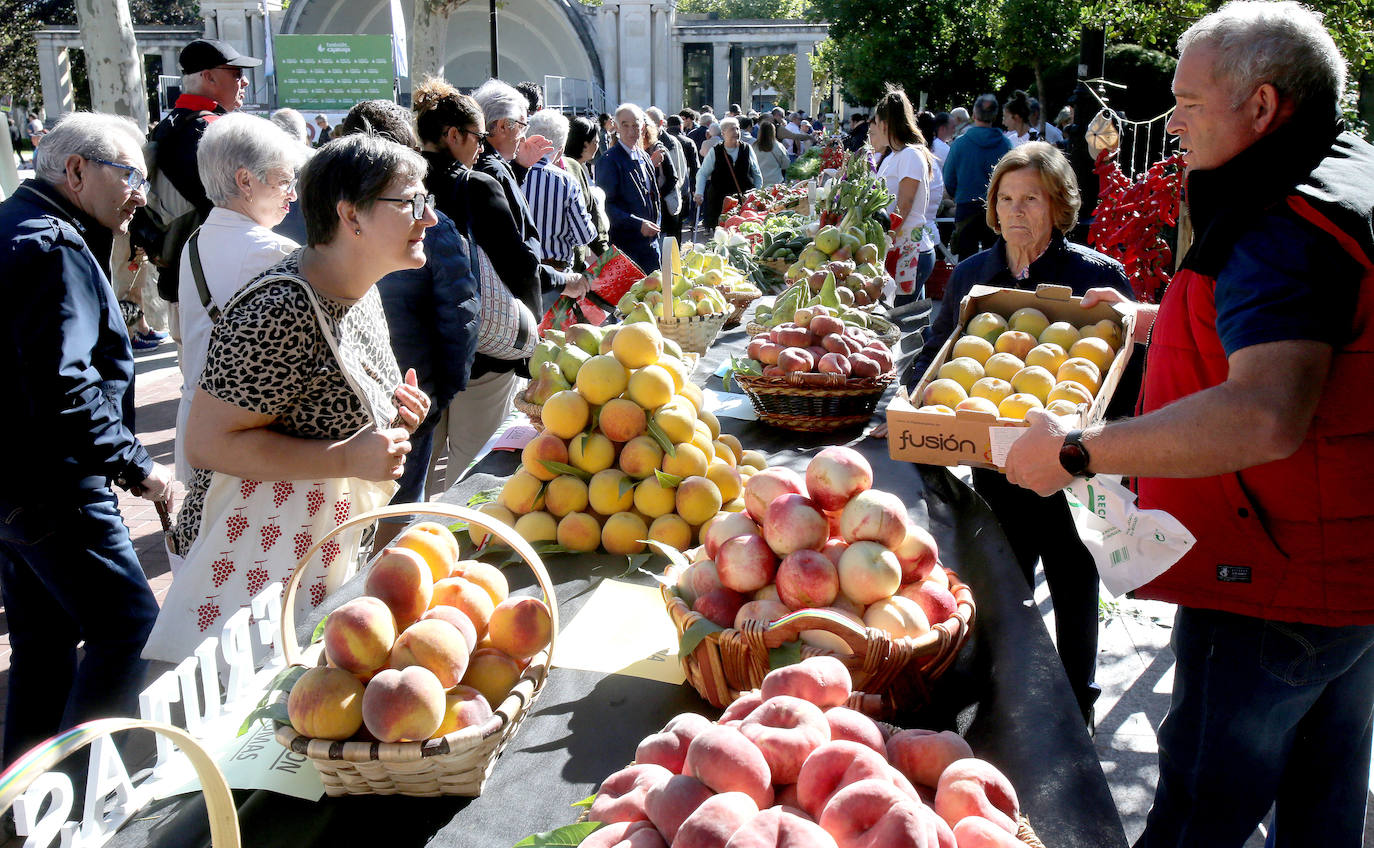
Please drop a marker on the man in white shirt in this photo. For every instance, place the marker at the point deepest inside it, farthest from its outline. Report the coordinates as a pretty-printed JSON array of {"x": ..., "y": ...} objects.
[{"x": 1048, "y": 132}]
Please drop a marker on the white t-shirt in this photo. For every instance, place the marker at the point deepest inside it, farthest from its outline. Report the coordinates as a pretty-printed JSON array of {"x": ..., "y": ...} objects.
[
  {"x": 1018, "y": 140},
  {"x": 937, "y": 194},
  {"x": 940, "y": 148},
  {"x": 908, "y": 163},
  {"x": 1053, "y": 134},
  {"x": 234, "y": 249}
]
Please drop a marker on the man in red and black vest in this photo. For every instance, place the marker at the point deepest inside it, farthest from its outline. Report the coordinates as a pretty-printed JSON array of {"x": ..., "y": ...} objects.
[
  {"x": 1256, "y": 430},
  {"x": 212, "y": 84}
]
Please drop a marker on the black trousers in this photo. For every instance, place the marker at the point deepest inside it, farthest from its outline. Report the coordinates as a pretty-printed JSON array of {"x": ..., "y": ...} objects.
[
  {"x": 971, "y": 235},
  {"x": 1042, "y": 529}
]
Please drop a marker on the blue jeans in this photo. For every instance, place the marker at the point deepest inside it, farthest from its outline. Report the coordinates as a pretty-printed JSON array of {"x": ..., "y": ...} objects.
[
  {"x": 68, "y": 574},
  {"x": 1264, "y": 713}
]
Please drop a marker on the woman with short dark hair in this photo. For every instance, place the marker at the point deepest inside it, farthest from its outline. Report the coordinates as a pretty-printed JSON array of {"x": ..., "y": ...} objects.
[
  {"x": 300, "y": 393},
  {"x": 584, "y": 141}
]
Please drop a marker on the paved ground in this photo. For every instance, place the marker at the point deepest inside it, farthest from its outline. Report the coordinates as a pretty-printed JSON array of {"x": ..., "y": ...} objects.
[{"x": 1135, "y": 665}]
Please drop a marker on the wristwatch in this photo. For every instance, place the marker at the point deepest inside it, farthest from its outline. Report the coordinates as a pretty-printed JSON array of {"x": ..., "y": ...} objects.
[{"x": 1074, "y": 456}]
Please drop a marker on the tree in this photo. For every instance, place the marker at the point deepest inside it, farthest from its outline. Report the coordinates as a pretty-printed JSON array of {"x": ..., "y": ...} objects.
[
  {"x": 931, "y": 47},
  {"x": 20, "y": 19},
  {"x": 1037, "y": 32}
]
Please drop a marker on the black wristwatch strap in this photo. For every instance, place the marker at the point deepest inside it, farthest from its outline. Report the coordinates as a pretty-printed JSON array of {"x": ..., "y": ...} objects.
[{"x": 1073, "y": 456}]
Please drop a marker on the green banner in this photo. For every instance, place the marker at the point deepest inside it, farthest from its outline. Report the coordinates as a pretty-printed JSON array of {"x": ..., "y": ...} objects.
[{"x": 332, "y": 71}]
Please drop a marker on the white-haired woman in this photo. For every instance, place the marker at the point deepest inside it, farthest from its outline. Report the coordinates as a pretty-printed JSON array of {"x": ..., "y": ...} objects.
[
  {"x": 248, "y": 166},
  {"x": 730, "y": 168},
  {"x": 555, "y": 198}
]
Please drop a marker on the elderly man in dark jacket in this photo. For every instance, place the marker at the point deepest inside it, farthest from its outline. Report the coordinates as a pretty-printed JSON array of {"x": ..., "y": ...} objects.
[{"x": 68, "y": 571}]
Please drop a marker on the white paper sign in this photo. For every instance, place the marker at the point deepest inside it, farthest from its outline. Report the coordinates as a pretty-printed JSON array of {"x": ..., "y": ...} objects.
[{"x": 1001, "y": 439}]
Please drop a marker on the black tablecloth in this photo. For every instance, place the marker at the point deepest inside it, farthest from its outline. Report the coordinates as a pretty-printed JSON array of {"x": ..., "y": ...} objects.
[{"x": 1007, "y": 694}]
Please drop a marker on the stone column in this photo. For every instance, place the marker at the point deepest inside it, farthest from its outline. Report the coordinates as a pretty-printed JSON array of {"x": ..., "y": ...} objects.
[
  {"x": 112, "y": 58},
  {"x": 720, "y": 76},
  {"x": 55, "y": 71},
  {"x": 675, "y": 85},
  {"x": 659, "y": 51},
  {"x": 608, "y": 31},
  {"x": 636, "y": 53},
  {"x": 803, "y": 90}
]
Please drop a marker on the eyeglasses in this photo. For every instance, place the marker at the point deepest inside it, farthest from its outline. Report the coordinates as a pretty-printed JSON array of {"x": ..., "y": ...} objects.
[
  {"x": 288, "y": 187},
  {"x": 235, "y": 72},
  {"x": 418, "y": 204},
  {"x": 481, "y": 136},
  {"x": 521, "y": 124},
  {"x": 135, "y": 179}
]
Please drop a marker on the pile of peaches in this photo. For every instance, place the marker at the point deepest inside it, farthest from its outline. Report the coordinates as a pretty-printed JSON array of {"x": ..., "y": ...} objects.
[
  {"x": 790, "y": 765},
  {"x": 1009, "y": 366},
  {"x": 828, "y": 541},
  {"x": 430, "y": 646},
  {"x": 817, "y": 340}
]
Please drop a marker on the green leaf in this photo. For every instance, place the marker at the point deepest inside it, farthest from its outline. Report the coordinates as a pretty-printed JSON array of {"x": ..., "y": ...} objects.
[
  {"x": 667, "y": 481},
  {"x": 567, "y": 836},
  {"x": 562, "y": 468},
  {"x": 788, "y": 653},
  {"x": 661, "y": 437},
  {"x": 274, "y": 711},
  {"x": 319, "y": 630},
  {"x": 627, "y": 485},
  {"x": 675, "y": 556},
  {"x": 585, "y": 802},
  {"x": 692, "y": 636},
  {"x": 483, "y": 497}
]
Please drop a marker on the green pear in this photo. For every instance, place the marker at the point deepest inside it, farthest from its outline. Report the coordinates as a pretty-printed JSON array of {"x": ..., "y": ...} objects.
[
  {"x": 555, "y": 336},
  {"x": 545, "y": 351},
  {"x": 608, "y": 337},
  {"x": 570, "y": 361},
  {"x": 585, "y": 336},
  {"x": 639, "y": 314},
  {"x": 672, "y": 348},
  {"x": 549, "y": 383},
  {"x": 828, "y": 240}
]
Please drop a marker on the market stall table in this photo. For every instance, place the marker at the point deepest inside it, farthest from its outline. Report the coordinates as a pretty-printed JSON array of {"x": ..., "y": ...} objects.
[{"x": 1006, "y": 693}]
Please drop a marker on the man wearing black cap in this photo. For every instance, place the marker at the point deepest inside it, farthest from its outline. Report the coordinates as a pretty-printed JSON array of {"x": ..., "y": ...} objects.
[{"x": 212, "y": 84}]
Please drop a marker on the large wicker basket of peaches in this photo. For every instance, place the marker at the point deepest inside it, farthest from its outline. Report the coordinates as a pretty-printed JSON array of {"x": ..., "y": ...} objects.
[
  {"x": 830, "y": 563},
  {"x": 401, "y": 699}
]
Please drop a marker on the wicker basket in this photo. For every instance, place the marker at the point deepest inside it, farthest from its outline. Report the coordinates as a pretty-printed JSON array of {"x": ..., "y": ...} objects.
[
  {"x": 896, "y": 673},
  {"x": 534, "y": 411},
  {"x": 456, "y": 764},
  {"x": 219, "y": 802},
  {"x": 695, "y": 333},
  {"x": 816, "y": 403}
]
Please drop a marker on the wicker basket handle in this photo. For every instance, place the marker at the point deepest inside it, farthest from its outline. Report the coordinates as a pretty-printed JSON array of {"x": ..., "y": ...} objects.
[
  {"x": 460, "y": 513},
  {"x": 219, "y": 802},
  {"x": 856, "y": 636}
]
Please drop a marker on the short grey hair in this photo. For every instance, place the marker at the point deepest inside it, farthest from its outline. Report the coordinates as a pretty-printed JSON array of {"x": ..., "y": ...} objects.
[
  {"x": 239, "y": 140},
  {"x": 500, "y": 101},
  {"x": 90, "y": 135},
  {"x": 1283, "y": 44},
  {"x": 654, "y": 114},
  {"x": 193, "y": 83},
  {"x": 728, "y": 123},
  {"x": 985, "y": 108},
  {"x": 959, "y": 115},
  {"x": 292, "y": 122},
  {"x": 551, "y": 124}
]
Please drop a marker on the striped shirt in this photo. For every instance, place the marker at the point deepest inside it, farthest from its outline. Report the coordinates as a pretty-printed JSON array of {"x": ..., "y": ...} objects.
[{"x": 559, "y": 210}]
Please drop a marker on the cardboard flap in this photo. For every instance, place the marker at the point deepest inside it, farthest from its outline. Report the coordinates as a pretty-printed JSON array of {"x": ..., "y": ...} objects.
[{"x": 1050, "y": 291}]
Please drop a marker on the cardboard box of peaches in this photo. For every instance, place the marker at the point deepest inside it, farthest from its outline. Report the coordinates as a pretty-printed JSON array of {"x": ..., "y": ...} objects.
[{"x": 1013, "y": 350}]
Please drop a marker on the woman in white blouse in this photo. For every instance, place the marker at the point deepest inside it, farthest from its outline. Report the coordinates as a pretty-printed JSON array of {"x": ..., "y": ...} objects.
[
  {"x": 248, "y": 166},
  {"x": 908, "y": 166}
]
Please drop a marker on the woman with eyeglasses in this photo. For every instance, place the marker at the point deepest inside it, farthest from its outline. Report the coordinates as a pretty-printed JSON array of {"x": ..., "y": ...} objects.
[
  {"x": 248, "y": 167},
  {"x": 450, "y": 125},
  {"x": 301, "y": 394}
]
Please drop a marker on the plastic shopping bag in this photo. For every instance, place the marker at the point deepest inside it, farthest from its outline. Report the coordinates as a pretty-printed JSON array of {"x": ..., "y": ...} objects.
[{"x": 1131, "y": 546}]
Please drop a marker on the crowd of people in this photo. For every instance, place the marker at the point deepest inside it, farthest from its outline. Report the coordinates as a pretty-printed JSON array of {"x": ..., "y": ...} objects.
[{"x": 352, "y": 308}]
